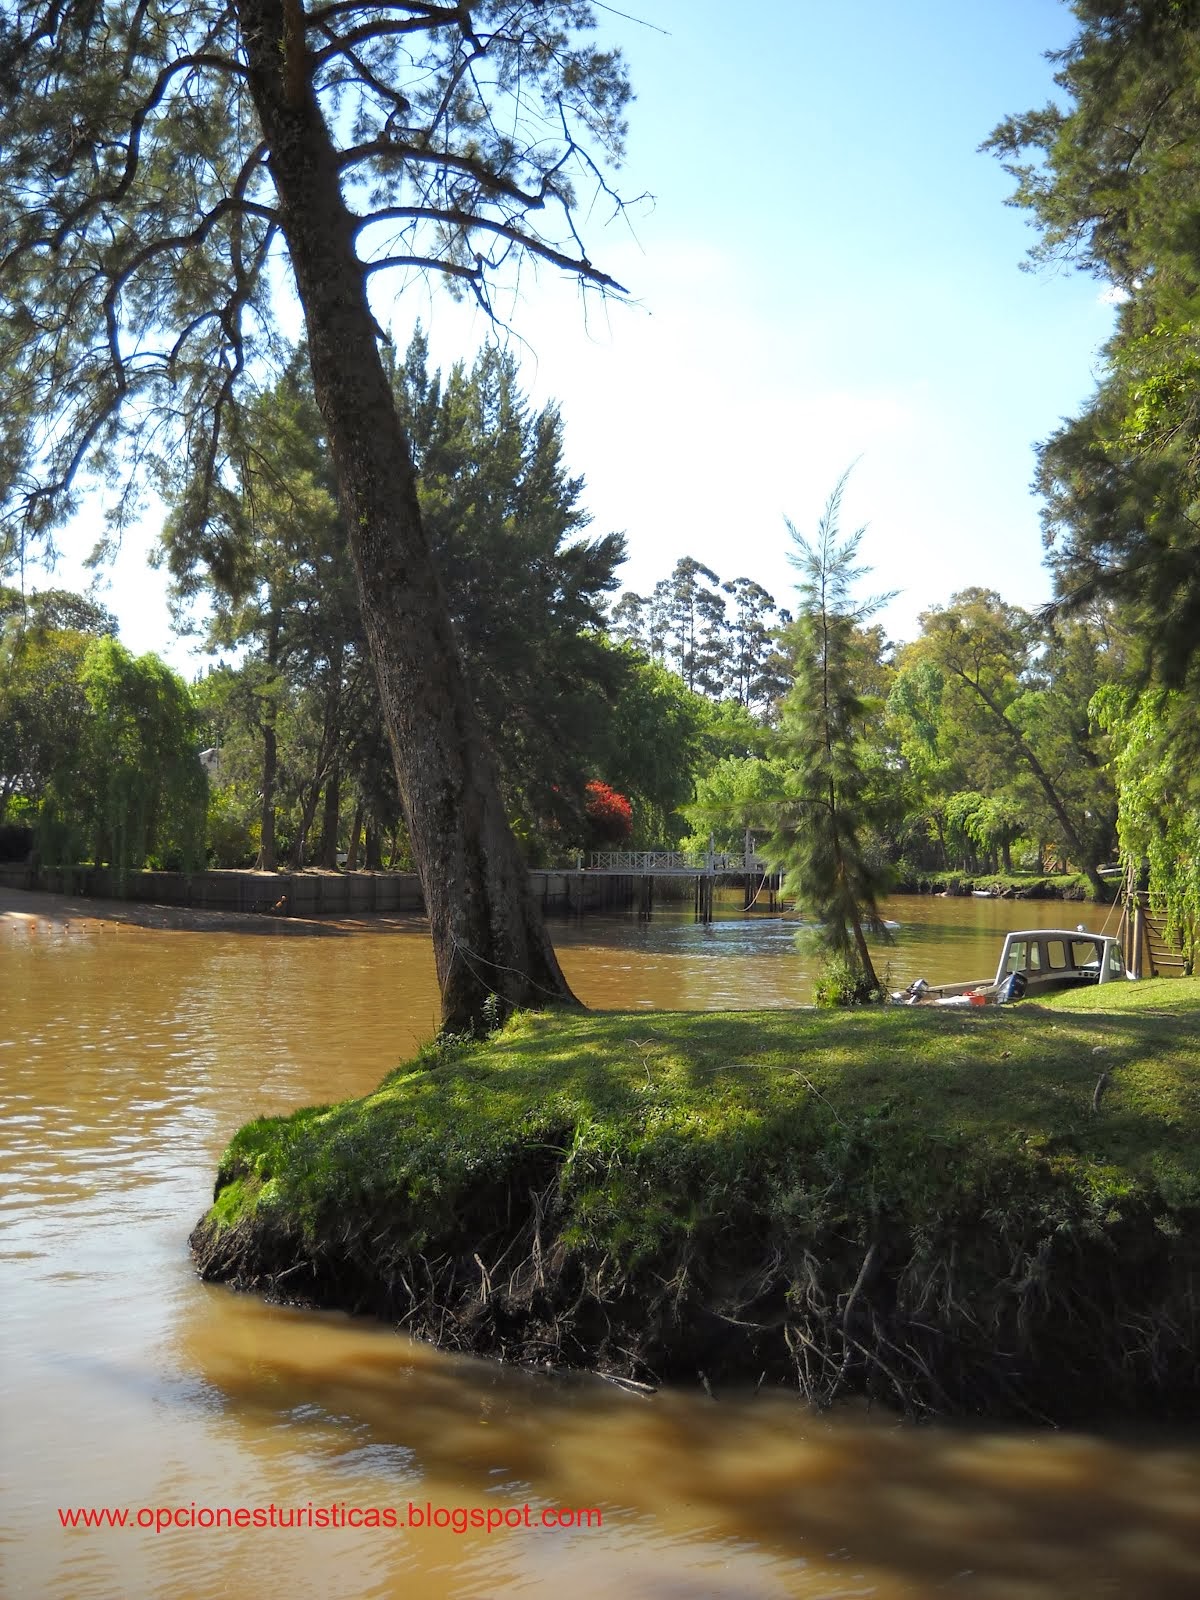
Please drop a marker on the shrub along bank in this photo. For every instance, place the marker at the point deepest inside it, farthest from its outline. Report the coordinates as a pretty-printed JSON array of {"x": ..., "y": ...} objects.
[
  {"x": 954, "y": 1211},
  {"x": 1002, "y": 885}
]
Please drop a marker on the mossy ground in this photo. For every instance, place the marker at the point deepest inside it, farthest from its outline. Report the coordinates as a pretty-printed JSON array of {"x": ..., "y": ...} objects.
[{"x": 994, "y": 1210}]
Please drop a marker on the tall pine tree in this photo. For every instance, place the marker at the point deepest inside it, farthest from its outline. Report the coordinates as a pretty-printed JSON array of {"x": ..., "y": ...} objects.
[
  {"x": 159, "y": 165},
  {"x": 824, "y": 816}
]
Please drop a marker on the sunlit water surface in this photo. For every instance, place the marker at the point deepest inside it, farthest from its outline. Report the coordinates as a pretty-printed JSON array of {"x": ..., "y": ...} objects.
[{"x": 128, "y": 1055}]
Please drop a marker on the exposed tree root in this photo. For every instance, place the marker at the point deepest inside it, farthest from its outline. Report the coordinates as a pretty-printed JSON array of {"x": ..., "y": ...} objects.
[{"x": 1015, "y": 1316}]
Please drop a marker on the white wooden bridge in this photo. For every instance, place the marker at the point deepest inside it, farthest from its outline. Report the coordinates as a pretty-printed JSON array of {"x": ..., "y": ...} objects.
[
  {"x": 677, "y": 863},
  {"x": 627, "y": 877}
]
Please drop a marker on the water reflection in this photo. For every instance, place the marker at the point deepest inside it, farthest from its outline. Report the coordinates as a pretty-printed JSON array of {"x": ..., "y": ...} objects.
[
  {"x": 127, "y": 1057},
  {"x": 749, "y": 960}
]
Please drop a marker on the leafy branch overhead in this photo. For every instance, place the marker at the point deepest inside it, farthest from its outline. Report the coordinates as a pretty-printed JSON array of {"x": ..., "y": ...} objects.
[
  {"x": 159, "y": 166},
  {"x": 1112, "y": 178},
  {"x": 142, "y": 256}
]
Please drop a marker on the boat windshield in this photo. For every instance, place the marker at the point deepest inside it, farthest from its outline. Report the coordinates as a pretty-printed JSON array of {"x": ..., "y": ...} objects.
[
  {"x": 1024, "y": 955},
  {"x": 1086, "y": 954}
]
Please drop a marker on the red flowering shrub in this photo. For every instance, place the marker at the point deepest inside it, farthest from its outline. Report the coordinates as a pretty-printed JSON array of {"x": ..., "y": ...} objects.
[{"x": 609, "y": 814}]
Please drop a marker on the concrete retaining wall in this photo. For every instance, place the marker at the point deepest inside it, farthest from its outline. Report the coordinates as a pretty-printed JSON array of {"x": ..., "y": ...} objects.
[
  {"x": 332, "y": 894},
  {"x": 297, "y": 894}
]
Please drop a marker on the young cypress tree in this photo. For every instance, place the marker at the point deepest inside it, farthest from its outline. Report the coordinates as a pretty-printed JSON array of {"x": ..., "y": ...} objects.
[{"x": 828, "y": 801}]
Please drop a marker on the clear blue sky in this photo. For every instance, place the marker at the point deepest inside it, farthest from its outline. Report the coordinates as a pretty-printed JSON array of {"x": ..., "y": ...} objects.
[{"x": 828, "y": 273}]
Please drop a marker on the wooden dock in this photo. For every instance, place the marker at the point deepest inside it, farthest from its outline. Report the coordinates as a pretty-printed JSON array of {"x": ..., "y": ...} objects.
[{"x": 1147, "y": 951}]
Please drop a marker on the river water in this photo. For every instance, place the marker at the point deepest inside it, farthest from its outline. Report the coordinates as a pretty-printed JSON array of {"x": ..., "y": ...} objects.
[{"x": 129, "y": 1054}]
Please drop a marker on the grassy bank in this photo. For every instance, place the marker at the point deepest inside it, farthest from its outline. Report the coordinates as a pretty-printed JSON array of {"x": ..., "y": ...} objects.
[
  {"x": 1005, "y": 885},
  {"x": 991, "y": 1211}
]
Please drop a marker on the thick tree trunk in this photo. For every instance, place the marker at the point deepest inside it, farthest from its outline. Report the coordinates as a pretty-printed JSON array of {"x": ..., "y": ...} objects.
[
  {"x": 329, "y": 821},
  {"x": 355, "y": 837},
  {"x": 941, "y": 836},
  {"x": 266, "y": 849},
  {"x": 330, "y": 766},
  {"x": 393, "y": 848},
  {"x": 307, "y": 813},
  {"x": 267, "y": 859},
  {"x": 326, "y": 772},
  {"x": 487, "y": 929},
  {"x": 866, "y": 965}
]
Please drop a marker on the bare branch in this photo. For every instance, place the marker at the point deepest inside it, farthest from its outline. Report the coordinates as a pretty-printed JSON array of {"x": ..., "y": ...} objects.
[
  {"x": 396, "y": 150},
  {"x": 321, "y": 15},
  {"x": 426, "y": 264},
  {"x": 468, "y": 222},
  {"x": 340, "y": 43}
]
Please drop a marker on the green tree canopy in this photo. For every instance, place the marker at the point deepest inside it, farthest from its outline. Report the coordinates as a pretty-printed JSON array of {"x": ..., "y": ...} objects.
[
  {"x": 655, "y": 743},
  {"x": 42, "y": 711},
  {"x": 1114, "y": 184},
  {"x": 685, "y": 622},
  {"x": 1159, "y": 785},
  {"x": 159, "y": 165},
  {"x": 996, "y": 706},
  {"x": 525, "y": 584},
  {"x": 266, "y": 546},
  {"x": 101, "y": 750},
  {"x": 138, "y": 793},
  {"x": 48, "y": 610},
  {"x": 736, "y": 793}
]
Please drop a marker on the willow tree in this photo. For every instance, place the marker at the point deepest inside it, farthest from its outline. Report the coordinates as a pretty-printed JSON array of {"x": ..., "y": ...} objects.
[
  {"x": 829, "y": 790},
  {"x": 163, "y": 164}
]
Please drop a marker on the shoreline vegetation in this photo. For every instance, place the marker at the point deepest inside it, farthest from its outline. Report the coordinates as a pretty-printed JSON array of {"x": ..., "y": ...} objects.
[
  {"x": 954, "y": 1212},
  {"x": 315, "y": 893},
  {"x": 1001, "y": 885}
]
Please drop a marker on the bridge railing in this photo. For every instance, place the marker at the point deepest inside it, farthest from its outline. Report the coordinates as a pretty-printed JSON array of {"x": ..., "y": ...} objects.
[{"x": 643, "y": 862}]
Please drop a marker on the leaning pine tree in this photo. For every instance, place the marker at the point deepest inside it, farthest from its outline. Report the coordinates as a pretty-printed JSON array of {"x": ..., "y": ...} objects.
[
  {"x": 824, "y": 815},
  {"x": 165, "y": 170}
]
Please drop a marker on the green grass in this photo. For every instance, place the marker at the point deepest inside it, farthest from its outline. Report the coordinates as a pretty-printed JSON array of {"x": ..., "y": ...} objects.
[
  {"x": 1017, "y": 885},
  {"x": 681, "y": 1169}
]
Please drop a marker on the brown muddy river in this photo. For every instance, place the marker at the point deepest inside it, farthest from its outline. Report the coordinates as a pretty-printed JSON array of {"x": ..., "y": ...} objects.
[{"x": 128, "y": 1055}]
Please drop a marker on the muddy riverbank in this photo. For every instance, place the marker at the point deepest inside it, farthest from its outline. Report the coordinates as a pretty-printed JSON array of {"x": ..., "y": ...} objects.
[{"x": 949, "y": 1212}]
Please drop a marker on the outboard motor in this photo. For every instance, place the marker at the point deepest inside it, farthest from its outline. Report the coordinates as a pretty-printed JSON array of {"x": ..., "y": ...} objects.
[{"x": 1013, "y": 987}]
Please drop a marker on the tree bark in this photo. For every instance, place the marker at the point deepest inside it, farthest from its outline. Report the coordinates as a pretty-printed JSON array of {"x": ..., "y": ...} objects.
[
  {"x": 267, "y": 859},
  {"x": 326, "y": 771},
  {"x": 487, "y": 929},
  {"x": 355, "y": 838},
  {"x": 266, "y": 846},
  {"x": 329, "y": 821},
  {"x": 307, "y": 812}
]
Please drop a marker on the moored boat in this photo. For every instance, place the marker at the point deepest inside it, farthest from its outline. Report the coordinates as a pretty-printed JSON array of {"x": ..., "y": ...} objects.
[{"x": 1033, "y": 961}]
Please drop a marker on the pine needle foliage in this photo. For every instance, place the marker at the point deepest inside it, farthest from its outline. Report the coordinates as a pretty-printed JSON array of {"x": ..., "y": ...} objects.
[{"x": 829, "y": 793}]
